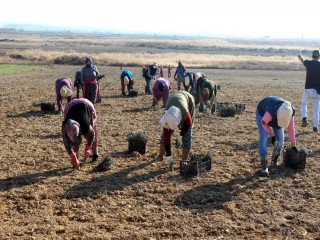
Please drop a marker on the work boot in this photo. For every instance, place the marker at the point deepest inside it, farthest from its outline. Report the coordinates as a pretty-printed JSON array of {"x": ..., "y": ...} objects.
[
  {"x": 315, "y": 129},
  {"x": 304, "y": 122},
  {"x": 94, "y": 158},
  {"x": 264, "y": 166}
]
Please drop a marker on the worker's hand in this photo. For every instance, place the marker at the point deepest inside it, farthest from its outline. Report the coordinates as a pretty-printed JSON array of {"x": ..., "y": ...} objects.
[
  {"x": 87, "y": 151},
  {"x": 74, "y": 159}
]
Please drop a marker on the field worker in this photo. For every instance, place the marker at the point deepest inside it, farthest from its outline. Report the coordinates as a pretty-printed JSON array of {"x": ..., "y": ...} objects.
[
  {"x": 179, "y": 113},
  {"x": 276, "y": 113},
  {"x": 180, "y": 74},
  {"x": 126, "y": 78},
  {"x": 77, "y": 82},
  {"x": 198, "y": 79},
  {"x": 63, "y": 90},
  {"x": 160, "y": 89},
  {"x": 208, "y": 93},
  {"x": 169, "y": 71},
  {"x": 80, "y": 119},
  {"x": 89, "y": 81},
  {"x": 311, "y": 89},
  {"x": 188, "y": 82},
  {"x": 148, "y": 73},
  {"x": 161, "y": 71}
]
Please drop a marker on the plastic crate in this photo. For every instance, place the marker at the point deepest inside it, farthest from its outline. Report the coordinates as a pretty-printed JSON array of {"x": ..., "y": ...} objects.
[
  {"x": 197, "y": 165},
  {"x": 226, "y": 109},
  {"x": 295, "y": 160}
]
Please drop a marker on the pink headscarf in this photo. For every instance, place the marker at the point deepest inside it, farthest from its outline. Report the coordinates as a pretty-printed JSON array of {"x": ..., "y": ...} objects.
[{"x": 73, "y": 130}]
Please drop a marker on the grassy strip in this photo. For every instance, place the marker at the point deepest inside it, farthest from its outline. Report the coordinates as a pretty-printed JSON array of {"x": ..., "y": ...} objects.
[{"x": 6, "y": 69}]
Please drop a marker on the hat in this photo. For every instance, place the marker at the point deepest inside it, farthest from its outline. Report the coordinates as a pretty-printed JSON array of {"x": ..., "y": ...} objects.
[
  {"x": 155, "y": 65},
  {"x": 315, "y": 53},
  {"x": 161, "y": 86},
  {"x": 284, "y": 114},
  {"x": 126, "y": 80},
  {"x": 65, "y": 91},
  {"x": 73, "y": 130},
  {"x": 171, "y": 118}
]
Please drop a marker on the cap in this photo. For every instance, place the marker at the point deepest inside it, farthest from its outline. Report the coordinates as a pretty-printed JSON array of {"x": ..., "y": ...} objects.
[{"x": 315, "y": 53}]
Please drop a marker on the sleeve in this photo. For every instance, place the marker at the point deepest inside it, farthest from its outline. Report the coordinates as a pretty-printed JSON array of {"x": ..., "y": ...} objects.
[
  {"x": 291, "y": 132},
  {"x": 82, "y": 76},
  {"x": 66, "y": 141},
  {"x": 187, "y": 123},
  {"x": 265, "y": 120},
  {"x": 90, "y": 136},
  {"x": 167, "y": 140}
]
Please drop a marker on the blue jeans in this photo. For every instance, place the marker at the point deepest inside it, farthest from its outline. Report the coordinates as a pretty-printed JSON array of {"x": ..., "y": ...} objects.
[
  {"x": 147, "y": 88},
  {"x": 263, "y": 141}
]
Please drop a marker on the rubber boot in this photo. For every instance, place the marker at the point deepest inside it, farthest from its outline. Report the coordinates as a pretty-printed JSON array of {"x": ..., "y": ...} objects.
[
  {"x": 264, "y": 166},
  {"x": 275, "y": 154}
]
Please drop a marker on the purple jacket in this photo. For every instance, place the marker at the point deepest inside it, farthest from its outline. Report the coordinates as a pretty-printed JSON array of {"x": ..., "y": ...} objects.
[
  {"x": 156, "y": 91},
  {"x": 59, "y": 84}
]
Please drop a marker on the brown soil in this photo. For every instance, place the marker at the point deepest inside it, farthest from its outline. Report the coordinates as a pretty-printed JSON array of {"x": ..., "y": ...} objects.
[{"x": 42, "y": 197}]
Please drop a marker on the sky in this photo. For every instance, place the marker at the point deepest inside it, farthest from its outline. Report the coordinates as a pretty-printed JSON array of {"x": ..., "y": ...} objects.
[{"x": 239, "y": 18}]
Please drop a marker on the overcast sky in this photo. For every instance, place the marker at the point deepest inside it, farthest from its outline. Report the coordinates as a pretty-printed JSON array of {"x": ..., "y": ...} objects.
[{"x": 273, "y": 18}]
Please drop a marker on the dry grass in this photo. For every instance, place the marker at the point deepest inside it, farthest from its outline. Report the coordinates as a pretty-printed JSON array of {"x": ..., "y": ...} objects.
[{"x": 71, "y": 49}]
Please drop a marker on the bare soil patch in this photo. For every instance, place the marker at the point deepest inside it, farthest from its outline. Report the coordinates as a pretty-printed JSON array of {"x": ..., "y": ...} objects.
[{"x": 43, "y": 198}]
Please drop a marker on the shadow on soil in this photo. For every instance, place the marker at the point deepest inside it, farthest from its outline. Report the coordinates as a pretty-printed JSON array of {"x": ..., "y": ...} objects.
[
  {"x": 30, "y": 114},
  {"x": 215, "y": 196},
  {"x": 109, "y": 183},
  {"x": 28, "y": 179}
]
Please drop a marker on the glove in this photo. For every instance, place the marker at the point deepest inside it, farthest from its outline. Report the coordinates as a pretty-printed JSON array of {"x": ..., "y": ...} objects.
[
  {"x": 74, "y": 160},
  {"x": 273, "y": 140},
  {"x": 87, "y": 151},
  {"x": 169, "y": 160},
  {"x": 294, "y": 149}
]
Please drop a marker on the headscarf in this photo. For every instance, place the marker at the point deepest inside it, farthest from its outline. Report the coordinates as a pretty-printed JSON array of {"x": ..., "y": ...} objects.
[
  {"x": 73, "y": 130},
  {"x": 284, "y": 114},
  {"x": 171, "y": 118}
]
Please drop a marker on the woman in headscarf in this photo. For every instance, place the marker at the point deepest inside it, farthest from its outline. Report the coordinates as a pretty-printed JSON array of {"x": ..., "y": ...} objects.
[
  {"x": 63, "y": 90},
  {"x": 80, "y": 118},
  {"x": 90, "y": 84},
  {"x": 179, "y": 114},
  {"x": 276, "y": 113},
  {"x": 160, "y": 90}
]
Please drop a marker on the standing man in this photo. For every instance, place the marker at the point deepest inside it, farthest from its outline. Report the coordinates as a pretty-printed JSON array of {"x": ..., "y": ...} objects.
[
  {"x": 89, "y": 82},
  {"x": 148, "y": 74},
  {"x": 126, "y": 78},
  {"x": 180, "y": 74},
  {"x": 311, "y": 89}
]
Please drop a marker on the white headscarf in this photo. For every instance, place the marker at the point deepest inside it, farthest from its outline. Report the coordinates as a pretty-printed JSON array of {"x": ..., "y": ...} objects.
[
  {"x": 171, "y": 118},
  {"x": 284, "y": 114}
]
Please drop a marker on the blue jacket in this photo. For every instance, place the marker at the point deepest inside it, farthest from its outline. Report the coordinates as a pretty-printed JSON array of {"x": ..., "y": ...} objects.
[{"x": 126, "y": 73}]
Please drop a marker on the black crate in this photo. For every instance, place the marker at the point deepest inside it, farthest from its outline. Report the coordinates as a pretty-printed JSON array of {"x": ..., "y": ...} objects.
[
  {"x": 226, "y": 109},
  {"x": 197, "y": 165},
  {"x": 295, "y": 160},
  {"x": 47, "y": 107},
  {"x": 133, "y": 93}
]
